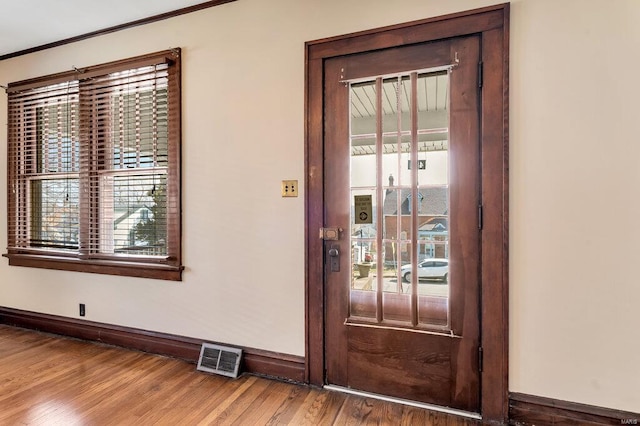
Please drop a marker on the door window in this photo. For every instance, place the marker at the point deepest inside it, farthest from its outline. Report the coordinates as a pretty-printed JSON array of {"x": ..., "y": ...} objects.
[{"x": 399, "y": 139}]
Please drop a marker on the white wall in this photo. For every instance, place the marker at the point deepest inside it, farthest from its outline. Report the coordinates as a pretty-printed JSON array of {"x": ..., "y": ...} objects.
[
  {"x": 575, "y": 286},
  {"x": 574, "y": 176}
]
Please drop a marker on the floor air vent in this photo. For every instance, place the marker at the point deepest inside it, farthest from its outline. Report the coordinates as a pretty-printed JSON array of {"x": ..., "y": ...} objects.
[{"x": 219, "y": 360}]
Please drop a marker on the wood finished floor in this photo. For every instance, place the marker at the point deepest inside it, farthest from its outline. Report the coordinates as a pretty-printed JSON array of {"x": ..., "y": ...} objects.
[{"x": 51, "y": 380}]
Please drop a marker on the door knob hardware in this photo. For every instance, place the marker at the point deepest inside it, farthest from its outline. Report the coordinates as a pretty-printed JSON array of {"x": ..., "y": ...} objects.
[{"x": 334, "y": 258}]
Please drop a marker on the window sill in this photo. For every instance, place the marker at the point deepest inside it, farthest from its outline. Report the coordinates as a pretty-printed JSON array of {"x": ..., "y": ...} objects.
[{"x": 109, "y": 267}]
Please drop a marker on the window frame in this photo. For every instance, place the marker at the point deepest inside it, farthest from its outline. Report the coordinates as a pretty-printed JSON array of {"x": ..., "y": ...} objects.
[{"x": 166, "y": 267}]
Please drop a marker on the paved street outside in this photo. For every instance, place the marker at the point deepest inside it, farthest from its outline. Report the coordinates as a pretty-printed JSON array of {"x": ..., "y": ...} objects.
[{"x": 427, "y": 287}]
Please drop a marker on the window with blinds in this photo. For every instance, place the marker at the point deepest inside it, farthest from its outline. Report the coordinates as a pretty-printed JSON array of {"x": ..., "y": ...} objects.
[{"x": 94, "y": 179}]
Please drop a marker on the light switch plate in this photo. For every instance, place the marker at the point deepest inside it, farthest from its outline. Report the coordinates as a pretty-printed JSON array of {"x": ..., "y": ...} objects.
[{"x": 289, "y": 188}]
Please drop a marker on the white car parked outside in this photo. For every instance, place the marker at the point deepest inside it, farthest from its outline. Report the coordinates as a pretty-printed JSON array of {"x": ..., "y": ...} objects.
[{"x": 428, "y": 268}]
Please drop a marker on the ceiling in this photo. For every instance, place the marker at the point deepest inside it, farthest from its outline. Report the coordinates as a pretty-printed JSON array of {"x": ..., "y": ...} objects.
[{"x": 25, "y": 24}]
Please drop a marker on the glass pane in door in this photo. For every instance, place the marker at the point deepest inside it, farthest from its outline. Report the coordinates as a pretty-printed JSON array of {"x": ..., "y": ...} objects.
[
  {"x": 399, "y": 169},
  {"x": 363, "y": 232},
  {"x": 433, "y": 204}
]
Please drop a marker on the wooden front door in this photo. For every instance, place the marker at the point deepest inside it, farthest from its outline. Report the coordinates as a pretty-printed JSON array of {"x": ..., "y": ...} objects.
[
  {"x": 335, "y": 351},
  {"x": 402, "y": 213}
]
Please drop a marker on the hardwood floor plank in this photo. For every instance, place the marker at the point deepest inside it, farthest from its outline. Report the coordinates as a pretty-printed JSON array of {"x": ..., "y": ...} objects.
[
  {"x": 357, "y": 411},
  {"x": 212, "y": 392},
  {"x": 126, "y": 408},
  {"x": 319, "y": 408},
  {"x": 169, "y": 396},
  {"x": 413, "y": 416},
  {"x": 203, "y": 393},
  {"x": 266, "y": 405},
  {"x": 51, "y": 380},
  {"x": 366, "y": 411},
  {"x": 217, "y": 413},
  {"x": 284, "y": 414}
]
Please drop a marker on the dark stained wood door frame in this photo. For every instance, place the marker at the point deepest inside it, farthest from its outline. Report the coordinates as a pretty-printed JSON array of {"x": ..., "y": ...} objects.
[{"x": 492, "y": 24}]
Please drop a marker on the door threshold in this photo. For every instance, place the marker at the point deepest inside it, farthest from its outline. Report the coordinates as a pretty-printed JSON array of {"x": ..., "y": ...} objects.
[{"x": 438, "y": 408}]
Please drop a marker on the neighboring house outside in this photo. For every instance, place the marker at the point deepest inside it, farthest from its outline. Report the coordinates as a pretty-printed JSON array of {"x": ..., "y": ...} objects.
[
  {"x": 125, "y": 237},
  {"x": 433, "y": 229}
]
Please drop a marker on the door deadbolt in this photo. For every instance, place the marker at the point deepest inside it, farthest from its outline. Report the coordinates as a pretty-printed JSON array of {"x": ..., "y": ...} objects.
[{"x": 330, "y": 234}]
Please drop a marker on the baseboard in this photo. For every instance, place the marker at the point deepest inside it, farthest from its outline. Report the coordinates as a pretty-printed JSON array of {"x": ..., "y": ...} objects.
[
  {"x": 255, "y": 361},
  {"x": 536, "y": 410}
]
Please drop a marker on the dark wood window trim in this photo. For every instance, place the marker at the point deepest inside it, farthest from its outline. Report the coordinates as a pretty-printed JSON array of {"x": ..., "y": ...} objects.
[
  {"x": 492, "y": 24},
  {"x": 153, "y": 88}
]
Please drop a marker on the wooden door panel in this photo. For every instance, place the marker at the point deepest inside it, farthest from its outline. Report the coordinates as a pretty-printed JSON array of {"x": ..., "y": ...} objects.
[
  {"x": 464, "y": 151},
  {"x": 410, "y": 57},
  {"x": 435, "y": 359},
  {"x": 388, "y": 359},
  {"x": 336, "y": 214}
]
